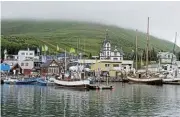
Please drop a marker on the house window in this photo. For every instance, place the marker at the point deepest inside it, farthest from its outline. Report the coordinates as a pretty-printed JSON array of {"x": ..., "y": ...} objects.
[
  {"x": 30, "y": 53},
  {"x": 26, "y": 53},
  {"x": 106, "y": 65},
  {"x": 26, "y": 64},
  {"x": 22, "y": 64},
  {"x": 115, "y": 65},
  {"x": 108, "y": 45},
  {"x": 23, "y": 53},
  {"x": 107, "y": 53}
]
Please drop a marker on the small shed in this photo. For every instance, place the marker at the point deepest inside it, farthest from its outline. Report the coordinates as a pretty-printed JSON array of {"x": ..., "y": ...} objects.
[{"x": 16, "y": 69}]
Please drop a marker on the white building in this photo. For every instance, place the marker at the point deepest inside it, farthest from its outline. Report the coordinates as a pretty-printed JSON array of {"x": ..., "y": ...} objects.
[
  {"x": 26, "y": 54},
  {"x": 107, "y": 52},
  {"x": 166, "y": 58},
  {"x": 25, "y": 59}
]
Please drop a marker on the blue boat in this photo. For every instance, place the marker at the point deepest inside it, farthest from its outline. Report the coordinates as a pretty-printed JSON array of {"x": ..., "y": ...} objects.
[
  {"x": 42, "y": 82},
  {"x": 26, "y": 81}
]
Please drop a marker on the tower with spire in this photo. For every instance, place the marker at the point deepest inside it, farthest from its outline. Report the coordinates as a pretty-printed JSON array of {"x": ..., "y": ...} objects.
[
  {"x": 109, "y": 53},
  {"x": 105, "y": 51}
]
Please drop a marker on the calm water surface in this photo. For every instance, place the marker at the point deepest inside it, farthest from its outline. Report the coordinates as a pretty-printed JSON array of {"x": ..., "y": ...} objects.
[{"x": 124, "y": 100}]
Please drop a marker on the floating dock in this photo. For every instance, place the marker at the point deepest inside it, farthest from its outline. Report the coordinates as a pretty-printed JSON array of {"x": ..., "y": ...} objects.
[
  {"x": 172, "y": 83},
  {"x": 100, "y": 87}
]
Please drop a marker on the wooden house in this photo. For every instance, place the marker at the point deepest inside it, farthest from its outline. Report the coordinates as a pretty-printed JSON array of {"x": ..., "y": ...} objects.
[{"x": 51, "y": 67}]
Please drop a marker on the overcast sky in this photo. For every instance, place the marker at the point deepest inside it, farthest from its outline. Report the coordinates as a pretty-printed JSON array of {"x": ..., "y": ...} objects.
[{"x": 164, "y": 16}]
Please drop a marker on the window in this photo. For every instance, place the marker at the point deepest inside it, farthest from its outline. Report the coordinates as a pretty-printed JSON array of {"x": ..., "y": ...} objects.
[
  {"x": 107, "y": 53},
  {"x": 168, "y": 56},
  {"x": 115, "y": 53},
  {"x": 22, "y": 64},
  {"x": 108, "y": 45},
  {"x": 26, "y": 53},
  {"x": 30, "y": 53},
  {"x": 106, "y": 65},
  {"x": 26, "y": 64},
  {"x": 124, "y": 67},
  {"x": 115, "y": 65},
  {"x": 115, "y": 58},
  {"x": 23, "y": 53}
]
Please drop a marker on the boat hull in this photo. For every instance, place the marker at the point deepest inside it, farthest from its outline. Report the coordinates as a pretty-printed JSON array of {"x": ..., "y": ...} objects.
[
  {"x": 25, "y": 82},
  {"x": 83, "y": 84},
  {"x": 2, "y": 81},
  {"x": 152, "y": 81},
  {"x": 41, "y": 82}
]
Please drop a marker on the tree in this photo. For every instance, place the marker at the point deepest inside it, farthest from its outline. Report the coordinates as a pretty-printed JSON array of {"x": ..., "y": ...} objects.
[
  {"x": 178, "y": 57},
  {"x": 90, "y": 56}
]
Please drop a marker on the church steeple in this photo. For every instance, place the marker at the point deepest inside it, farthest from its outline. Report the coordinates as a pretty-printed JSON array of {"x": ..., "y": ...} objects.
[{"x": 107, "y": 36}]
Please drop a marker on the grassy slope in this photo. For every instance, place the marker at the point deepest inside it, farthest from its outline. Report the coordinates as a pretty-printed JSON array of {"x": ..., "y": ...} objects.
[{"x": 66, "y": 33}]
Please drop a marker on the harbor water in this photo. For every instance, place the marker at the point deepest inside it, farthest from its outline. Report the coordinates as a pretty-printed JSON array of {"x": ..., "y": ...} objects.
[{"x": 123, "y": 101}]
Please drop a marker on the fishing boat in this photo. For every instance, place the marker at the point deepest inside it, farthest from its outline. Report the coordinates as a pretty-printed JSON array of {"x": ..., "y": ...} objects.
[
  {"x": 72, "y": 79},
  {"x": 169, "y": 70},
  {"x": 147, "y": 77}
]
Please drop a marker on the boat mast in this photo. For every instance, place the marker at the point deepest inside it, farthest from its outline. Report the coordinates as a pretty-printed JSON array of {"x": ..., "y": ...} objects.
[
  {"x": 84, "y": 59},
  {"x": 65, "y": 63},
  {"x": 136, "y": 50},
  {"x": 174, "y": 47},
  {"x": 147, "y": 48}
]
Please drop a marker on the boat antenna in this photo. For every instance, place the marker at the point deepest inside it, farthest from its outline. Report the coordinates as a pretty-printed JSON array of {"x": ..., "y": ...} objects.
[
  {"x": 136, "y": 50},
  {"x": 174, "y": 47},
  {"x": 147, "y": 48}
]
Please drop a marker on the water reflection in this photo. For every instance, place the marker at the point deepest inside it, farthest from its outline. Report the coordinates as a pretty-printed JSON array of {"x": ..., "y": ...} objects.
[{"x": 124, "y": 100}]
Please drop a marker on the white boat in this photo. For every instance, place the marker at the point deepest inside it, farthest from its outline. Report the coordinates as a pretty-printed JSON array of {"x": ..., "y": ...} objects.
[
  {"x": 170, "y": 75},
  {"x": 10, "y": 81},
  {"x": 84, "y": 84},
  {"x": 153, "y": 81}
]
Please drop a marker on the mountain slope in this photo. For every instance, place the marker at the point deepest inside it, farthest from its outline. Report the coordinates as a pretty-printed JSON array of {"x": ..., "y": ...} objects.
[{"x": 21, "y": 33}]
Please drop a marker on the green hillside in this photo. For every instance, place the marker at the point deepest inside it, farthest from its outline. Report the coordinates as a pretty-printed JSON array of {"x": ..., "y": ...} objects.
[{"x": 20, "y": 34}]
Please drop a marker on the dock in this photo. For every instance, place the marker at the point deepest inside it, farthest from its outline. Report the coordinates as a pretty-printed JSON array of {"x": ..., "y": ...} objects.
[
  {"x": 101, "y": 87},
  {"x": 172, "y": 83}
]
